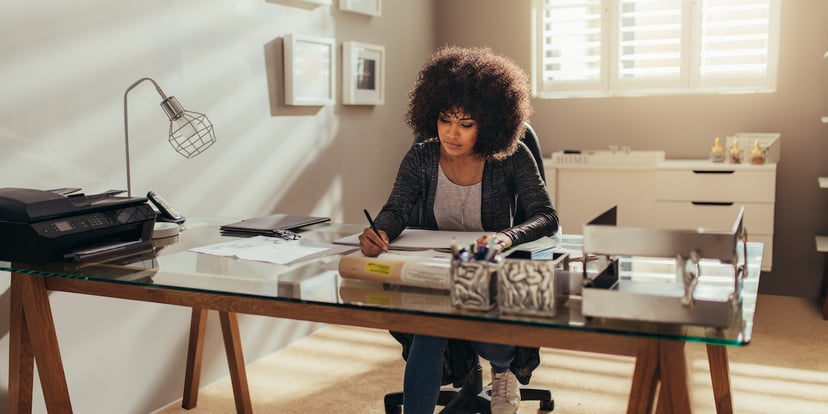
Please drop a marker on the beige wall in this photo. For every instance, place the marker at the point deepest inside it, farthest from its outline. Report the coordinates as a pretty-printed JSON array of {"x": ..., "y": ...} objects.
[
  {"x": 684, "y": 126},
  {"x": 65, "y": 67}
]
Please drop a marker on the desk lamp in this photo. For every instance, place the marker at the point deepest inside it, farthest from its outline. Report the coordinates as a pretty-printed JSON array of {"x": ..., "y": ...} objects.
[{"x": 191, "y": 133}]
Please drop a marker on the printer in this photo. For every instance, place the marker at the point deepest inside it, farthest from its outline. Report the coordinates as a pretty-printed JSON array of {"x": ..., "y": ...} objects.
[{"x": 39, "y": 226}]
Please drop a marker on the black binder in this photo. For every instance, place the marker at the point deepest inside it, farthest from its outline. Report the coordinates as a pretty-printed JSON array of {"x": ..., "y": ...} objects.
[{"x": 272, "y": 225}]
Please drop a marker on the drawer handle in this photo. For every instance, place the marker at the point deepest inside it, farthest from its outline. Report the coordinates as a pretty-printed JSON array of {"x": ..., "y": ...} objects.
[
  {"x": 712, "y": 203},
  {"x": 714, "y": 171}
]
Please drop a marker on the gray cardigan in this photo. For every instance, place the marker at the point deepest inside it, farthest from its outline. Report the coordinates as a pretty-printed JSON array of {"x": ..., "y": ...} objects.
[{"x": 411, "y": 203}]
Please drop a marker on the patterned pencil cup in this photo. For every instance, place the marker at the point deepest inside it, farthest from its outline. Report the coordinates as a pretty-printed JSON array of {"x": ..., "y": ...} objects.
[
  {"x": 528, "y": 286},
  {"x": 473, "y": 284}
]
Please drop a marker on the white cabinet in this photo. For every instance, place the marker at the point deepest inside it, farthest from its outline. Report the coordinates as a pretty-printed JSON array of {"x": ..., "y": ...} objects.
[
  {"x": 693, "y": 194},
  {"x": 582, "y": 192},
  {"x": 670, "y": 194}
]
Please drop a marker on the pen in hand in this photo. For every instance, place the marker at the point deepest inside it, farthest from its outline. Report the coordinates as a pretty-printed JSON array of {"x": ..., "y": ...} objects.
[{"x": 373, "y": 226}]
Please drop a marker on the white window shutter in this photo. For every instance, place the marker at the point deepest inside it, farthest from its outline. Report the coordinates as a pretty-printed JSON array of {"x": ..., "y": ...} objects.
[
  {"x": 572, "y": 48},
  {"x": 738, "y": 43},
  {"x": 623, "y": 47},
  {"x": 650, "y": 44}
]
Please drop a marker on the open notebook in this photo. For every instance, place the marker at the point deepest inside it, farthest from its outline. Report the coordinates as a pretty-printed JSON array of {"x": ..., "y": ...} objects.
[
  {"x": 417, "y": 239},
  {"x": 441, "y": 240}
]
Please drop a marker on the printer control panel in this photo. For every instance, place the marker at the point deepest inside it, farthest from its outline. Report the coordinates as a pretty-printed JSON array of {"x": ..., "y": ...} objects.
[{"x": 93, "y": 221}]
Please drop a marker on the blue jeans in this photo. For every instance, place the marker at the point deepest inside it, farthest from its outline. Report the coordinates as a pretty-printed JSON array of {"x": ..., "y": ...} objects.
[{"x": 424, "y": 369}]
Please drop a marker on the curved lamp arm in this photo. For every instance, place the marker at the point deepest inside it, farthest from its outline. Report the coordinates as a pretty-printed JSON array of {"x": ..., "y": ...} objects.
[{"x": 191, "y": 133}]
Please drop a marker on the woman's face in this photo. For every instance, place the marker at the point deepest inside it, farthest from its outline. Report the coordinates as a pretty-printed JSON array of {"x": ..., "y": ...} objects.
[{"x": 457, "y": 132}]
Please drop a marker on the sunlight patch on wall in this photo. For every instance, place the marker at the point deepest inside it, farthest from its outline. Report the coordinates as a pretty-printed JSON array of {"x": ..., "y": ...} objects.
[
  {"x": 330, "y": 204},
  {"x": 62, "y": 119}
]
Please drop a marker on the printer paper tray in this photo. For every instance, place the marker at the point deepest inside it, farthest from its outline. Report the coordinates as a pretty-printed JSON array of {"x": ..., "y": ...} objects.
[{"x": 96, "y": 252}]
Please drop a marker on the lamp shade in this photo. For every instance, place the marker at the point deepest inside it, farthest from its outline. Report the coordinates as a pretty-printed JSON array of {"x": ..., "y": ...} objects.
[{"x": 191, "y": 133}]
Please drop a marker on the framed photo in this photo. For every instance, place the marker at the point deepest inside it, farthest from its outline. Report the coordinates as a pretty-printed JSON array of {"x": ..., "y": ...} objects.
[
  {"x": 310, "y": 67},
  {"x": 363, "y": 74},
  {"x": 370, "y": 7}
]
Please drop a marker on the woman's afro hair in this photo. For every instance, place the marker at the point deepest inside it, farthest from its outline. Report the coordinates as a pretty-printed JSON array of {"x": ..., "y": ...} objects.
[{"x": 492, "y": 89}]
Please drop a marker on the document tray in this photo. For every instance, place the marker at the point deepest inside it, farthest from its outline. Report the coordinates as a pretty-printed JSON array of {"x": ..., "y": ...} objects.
[{"x": 674, "y": 276}]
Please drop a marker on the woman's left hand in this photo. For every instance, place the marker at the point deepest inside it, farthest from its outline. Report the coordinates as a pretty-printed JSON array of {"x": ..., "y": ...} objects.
[{"x": 502, "y": 241}]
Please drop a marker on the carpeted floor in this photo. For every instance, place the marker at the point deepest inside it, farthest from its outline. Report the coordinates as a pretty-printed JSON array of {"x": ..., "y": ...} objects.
[{"x": 348, "y": 370}]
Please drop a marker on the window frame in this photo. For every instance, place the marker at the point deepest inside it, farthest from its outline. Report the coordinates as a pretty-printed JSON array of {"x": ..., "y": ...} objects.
[{"x": 690, "y": 80}]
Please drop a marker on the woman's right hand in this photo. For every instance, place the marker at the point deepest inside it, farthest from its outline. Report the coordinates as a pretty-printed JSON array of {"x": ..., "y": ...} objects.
[{"x": 372, "y": 244}]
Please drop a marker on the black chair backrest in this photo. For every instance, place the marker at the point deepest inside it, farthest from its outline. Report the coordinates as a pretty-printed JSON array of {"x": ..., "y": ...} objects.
[{"x": 530, "y": 138}]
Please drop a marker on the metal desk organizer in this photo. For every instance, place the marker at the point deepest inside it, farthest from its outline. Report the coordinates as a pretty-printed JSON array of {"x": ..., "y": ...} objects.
[
  {"x": 529, "y": 287},
  {"x": 473, "y": 283},
  {"x": 681, "y": 292},
  {"x": 517, "y": 286}
]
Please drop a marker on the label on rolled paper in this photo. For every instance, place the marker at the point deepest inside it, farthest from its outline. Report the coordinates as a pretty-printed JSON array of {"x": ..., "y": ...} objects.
[
  {"x": 378, "y": 268},
  {"x": 428, "y": 272}
]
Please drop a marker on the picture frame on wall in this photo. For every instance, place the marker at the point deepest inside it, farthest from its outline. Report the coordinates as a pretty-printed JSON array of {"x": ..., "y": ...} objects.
[
  {"x": 303, "y": 4},
  {"x": 369, "y": 7},
  {"x": 310, "y": 67},
  {"x": 363, "y": 73}
]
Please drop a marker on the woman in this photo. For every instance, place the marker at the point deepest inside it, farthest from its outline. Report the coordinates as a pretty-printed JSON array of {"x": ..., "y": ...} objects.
[{"x": 467, "y": 177}]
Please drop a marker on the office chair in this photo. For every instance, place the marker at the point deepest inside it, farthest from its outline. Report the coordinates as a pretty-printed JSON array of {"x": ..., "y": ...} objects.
[{"x": 472, "y": 397}]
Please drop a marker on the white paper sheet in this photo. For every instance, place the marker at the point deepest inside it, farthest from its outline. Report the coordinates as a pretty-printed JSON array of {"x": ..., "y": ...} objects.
[
  {"x": 270, "y": 249},
  {"x": 418, "y": 239}
]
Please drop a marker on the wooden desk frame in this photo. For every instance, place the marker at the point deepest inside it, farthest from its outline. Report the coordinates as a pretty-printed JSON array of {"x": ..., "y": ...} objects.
[{"x": 659, "y": 380}]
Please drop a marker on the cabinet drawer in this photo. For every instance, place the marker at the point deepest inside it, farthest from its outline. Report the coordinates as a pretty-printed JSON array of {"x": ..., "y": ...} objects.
[
  {"x": 741, "y": 185},
  {"x": 686, "y": 215}
]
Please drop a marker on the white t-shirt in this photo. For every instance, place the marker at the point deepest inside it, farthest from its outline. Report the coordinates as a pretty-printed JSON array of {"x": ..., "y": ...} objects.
[{"x": 457, "y": 207}]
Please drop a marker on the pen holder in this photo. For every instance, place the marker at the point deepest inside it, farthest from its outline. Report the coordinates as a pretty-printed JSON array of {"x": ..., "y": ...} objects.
[
  {"x": 473, "y": 284},
  {"x": 528, "y": 286}
]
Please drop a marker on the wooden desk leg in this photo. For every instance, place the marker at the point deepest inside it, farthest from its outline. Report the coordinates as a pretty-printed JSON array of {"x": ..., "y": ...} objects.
[
  {"x": 674, "y": 396},
  {"x": 235, "y": 361},
  {"x": 720, "y": 376},
  {"x": 30, "y": 291},
  {"x": 192, "y": 375},
  {"x": 645, "y": 378},
  {"x": 660, "y": 371},
  {"x": 21, "y": 360}
]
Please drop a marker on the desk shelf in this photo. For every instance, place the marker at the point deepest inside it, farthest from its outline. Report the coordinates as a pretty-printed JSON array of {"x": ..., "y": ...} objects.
[
  {"x": 822, "y": 241},
  {"x": 822, "y": 244}
]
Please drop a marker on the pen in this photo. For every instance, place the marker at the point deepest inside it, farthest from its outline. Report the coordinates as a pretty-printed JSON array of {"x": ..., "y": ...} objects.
[{"x": 371, "y": 223}]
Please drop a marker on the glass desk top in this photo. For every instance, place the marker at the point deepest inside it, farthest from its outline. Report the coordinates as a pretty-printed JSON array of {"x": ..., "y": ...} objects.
[{"x": 170, "y": 265}]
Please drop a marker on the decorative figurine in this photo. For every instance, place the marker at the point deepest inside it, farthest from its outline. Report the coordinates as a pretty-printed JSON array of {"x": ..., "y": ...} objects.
[
  {"x": 717, "y": 153},
  {"x": 734, "y": 155},
  {"x": 758, "y": 155}
]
